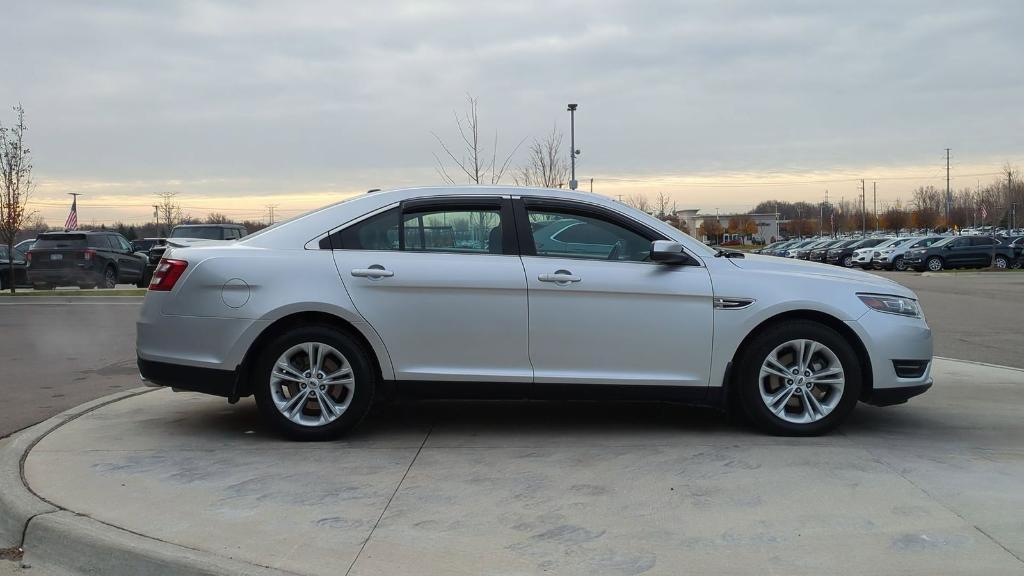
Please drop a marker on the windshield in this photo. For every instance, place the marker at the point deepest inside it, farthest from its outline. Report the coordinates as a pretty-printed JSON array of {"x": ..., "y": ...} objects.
[
  {"x": 945, "y": 241},
  {"x": 201, "y": 232}
]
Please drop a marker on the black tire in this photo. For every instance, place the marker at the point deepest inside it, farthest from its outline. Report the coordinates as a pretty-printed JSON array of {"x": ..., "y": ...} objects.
[
  {"x": 898, "y": 264},
  {"x": 109, "y": 277},
  {"x": 848, "y": 262},
  {"x": 934, "y": 264},
  {"x": 747, "y": 384},
  {"x": 143, "y": 281},
  {"x": 1002, "y": 262},
  {"x": 364, "y": 373}
]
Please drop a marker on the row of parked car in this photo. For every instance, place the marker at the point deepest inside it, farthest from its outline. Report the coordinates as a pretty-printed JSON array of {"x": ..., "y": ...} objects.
[
  {"x": 931, "y": 252},
  {"x": 98, "y": 258}
]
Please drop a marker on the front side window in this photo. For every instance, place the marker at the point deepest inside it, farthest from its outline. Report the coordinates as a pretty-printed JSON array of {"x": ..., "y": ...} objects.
[{"x": 565, "y": 234}]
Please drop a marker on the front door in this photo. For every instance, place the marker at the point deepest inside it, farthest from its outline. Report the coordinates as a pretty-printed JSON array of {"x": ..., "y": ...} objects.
[
  {"x": 600, "y": 311},
  {"x": 441, "y": 283}
]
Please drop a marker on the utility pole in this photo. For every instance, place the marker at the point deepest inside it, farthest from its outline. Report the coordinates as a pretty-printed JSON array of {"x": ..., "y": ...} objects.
[
  {"x": 949, "y": 196},
  {"x": 156, "y": 214},
  {"x": 591, "y": 185},
  {"x": 874, "y": 201},
  {"x": 270, "y": 212},
  {"x": 821, "y": 216},
  {"x": 863, "y": 212},
  {"x": 572, "y": 145}
]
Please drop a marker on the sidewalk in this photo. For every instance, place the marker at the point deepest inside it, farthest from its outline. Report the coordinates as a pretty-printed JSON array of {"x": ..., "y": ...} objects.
[{"x": 182, "y": 483}]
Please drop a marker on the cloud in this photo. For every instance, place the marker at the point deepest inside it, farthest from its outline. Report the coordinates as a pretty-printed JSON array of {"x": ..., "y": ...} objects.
[{"x": 343, "y": 96}]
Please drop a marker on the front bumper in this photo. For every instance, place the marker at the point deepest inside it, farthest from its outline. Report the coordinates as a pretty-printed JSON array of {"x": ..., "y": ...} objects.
[{"x": 891, "y": 341}]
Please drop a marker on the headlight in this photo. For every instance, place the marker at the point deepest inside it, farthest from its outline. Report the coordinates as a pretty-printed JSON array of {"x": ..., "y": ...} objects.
[
  {"x": 892, "y": 304},
  {"x": 887, "y": 251}
]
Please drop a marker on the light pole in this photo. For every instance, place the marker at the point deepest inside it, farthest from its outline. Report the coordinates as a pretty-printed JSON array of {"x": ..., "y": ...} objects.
[{"x": 572, "y": 145}]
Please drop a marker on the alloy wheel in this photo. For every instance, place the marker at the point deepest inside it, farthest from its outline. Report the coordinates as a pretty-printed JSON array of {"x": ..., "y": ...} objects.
[
  {"x": 109, "y": 278},
  {"x": 899, "y": 264},
  {"x": 312, "y": 384},
  {"x": 1001, "y": 262},
  {"x": 935, "y": 265},
  {"x": 801, "y": 381}
]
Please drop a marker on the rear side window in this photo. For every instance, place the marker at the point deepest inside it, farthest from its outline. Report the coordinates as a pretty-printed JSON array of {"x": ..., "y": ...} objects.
[
  {"x": 98, "y": 241},
  {"x": 457, "y": 230},
  {"x": 379, "y": 232},
  {"x": 981, "y": 241},
  {"x": 59, "y": 241}
]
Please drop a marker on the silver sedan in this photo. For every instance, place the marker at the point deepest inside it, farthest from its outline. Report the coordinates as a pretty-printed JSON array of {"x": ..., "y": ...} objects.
[{"x": 524, "y": 293}]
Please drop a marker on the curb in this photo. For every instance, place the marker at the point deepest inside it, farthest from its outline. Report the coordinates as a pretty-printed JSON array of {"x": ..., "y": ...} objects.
[
  {"x": 976, "y": 363},
  {"x": 61, "y": 542}
]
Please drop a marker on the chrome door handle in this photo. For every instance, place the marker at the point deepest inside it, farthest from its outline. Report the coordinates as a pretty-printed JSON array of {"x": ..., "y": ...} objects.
[
  {"x": 559, "y": 277},
  {"x": 372, "y": 272}
]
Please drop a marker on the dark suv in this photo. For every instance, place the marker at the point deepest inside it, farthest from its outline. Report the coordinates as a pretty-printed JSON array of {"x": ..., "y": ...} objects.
[
  {"x": 193, "y": 232},
  {"x": 960, "y": 252},
  {"x": 86, "y": 259}
]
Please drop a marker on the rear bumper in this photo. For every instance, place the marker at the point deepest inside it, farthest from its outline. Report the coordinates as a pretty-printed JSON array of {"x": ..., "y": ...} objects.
[
  {"x": 63, "y": 276},
  {"x": 193, "y": 378}
]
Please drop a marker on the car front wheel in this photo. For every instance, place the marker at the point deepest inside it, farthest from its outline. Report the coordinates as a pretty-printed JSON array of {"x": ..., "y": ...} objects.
[
  {"x": 314, "y": 383},
  {"x": 848, "y": 262},
  {"x": 899, "y": 264},
  {"x": 935, "y": 264},
  {"x": 798, "y": 378},
  {"x": 1001, "y": 262}
]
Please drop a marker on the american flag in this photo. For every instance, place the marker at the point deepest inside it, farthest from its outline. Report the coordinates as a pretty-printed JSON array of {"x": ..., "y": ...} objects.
[
  {"x": 984, "y": 212},
  {"x": 72, "y": 222}
]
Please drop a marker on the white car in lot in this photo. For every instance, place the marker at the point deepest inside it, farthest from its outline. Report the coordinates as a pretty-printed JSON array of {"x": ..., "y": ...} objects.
[{"x": 526, "y": 293}]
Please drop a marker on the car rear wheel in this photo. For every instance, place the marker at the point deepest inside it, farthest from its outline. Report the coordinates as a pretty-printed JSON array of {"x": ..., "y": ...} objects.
[
  {"x": 109, "y": 277},
  {"x": 798, "y": 378},
  {"x": 1001, "y": 262},
  {"x": 935, "y": 264},
  {"x": 899, "y": 264},
  {"x": 314, "y": 383}
]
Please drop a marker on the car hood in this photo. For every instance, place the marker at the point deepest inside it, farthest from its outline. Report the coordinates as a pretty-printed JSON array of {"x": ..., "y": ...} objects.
[{"x": 770, "y": 265}]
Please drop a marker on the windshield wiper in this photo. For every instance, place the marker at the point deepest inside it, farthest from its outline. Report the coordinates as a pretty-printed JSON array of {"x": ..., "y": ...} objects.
[{"x": 728, "y": 253}]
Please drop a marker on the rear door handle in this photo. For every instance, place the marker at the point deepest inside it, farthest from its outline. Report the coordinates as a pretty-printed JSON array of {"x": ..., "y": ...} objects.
[
  {"x": 559, "y": 277},
  {"x": 373, "y": 272}
]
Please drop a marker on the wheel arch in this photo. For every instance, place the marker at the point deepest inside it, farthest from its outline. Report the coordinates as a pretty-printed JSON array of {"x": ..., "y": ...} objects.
[
  {"x": 824, "y": 318},
  {"x": 281, "y": 325}
]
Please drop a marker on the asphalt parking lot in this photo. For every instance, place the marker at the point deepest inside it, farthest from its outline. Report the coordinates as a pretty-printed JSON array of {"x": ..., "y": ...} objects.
[{"x": 930, "y": 487}]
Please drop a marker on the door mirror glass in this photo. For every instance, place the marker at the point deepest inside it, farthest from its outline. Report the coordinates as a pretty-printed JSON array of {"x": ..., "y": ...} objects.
[{"x": 668, "y": 252}]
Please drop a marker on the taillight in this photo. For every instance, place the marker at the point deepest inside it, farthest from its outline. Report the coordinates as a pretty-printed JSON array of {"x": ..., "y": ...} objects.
[
  {"x": 166, "y": 274},
  {"x": 88, "y": 254}
]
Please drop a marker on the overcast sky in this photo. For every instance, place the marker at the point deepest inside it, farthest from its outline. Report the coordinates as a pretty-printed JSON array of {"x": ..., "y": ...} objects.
[{"x": 240, "y": 104}]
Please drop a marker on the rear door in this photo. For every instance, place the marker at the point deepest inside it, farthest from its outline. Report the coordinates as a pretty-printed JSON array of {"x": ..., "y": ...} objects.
[
  {"x": 609, "y": 315},
  {"x": 129, "y": 265},
  {"x": 441, "y": 282}
]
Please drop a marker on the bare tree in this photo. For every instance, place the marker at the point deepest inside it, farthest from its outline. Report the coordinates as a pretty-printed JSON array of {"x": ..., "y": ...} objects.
[
  {"x": 638, "y": 201},
  {"x": 663, "y": 201},
  {"x": 545, "y": 167},
  {"x": 168, "y": 211},
  {"x": 472, "y": 158},
  {"x": 217, "y": 218},
  {"x": 16, "y": 187}
]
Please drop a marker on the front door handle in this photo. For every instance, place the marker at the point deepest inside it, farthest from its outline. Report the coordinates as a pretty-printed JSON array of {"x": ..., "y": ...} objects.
[
  {"x": 562, "y": 277},
  {"x": 373, "y": 272}
]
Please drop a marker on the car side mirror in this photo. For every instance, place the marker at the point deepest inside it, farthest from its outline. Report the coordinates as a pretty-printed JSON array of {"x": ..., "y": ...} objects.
[{"x": 668, "y": 252}]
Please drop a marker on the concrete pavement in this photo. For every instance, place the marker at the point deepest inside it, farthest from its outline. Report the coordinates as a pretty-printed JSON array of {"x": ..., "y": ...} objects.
[{"x": 934, "y": 486}]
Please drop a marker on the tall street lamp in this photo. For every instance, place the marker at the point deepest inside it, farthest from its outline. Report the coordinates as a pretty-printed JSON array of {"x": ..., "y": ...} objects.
[{"x": 572, "y": 145}]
